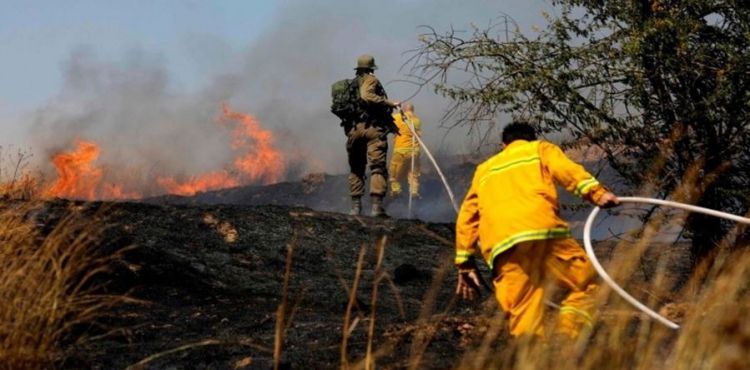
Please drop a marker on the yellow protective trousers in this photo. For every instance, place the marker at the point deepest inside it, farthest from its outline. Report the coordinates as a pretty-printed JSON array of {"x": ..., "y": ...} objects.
[
  {"x": 529, "y": 273},
  {"x": 400, "y": 167}
]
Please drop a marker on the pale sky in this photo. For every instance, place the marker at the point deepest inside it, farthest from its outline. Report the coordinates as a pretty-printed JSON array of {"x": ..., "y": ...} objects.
[
  {"x": 275, "y": 59},
  {"x": 36, "y": 36}
]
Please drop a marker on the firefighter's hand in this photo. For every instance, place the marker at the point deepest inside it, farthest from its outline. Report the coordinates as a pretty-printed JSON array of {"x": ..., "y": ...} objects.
[
  {"x": 468, "y": 284},
  {"x": 396, "y": 103},
  {"x": 608, "y": 200}
]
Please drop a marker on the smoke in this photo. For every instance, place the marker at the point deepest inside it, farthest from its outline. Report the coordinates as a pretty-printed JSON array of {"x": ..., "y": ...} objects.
[
  {"x": 310, "y": 47},
  {"x": 148, "y": 124},
  {"x": 130, "y": 110}
]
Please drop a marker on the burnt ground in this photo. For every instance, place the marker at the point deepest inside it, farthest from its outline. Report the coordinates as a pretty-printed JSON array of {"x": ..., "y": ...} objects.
[
  {"x": 329, "y": 193},
  {"x": 210, "y": 280},
  {"x": 216, "y": 273},
  {"x": 325, "y": 192}
]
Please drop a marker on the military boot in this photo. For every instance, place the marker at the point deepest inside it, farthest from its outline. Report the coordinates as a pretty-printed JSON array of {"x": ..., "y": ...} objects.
[
  {"x": 377, "y": 207},
  {"x": 356, "y": 206}
]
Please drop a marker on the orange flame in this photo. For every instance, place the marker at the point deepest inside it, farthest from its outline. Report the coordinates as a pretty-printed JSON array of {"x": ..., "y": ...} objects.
[
  {"x": 77, "y": 177},
  {"x": 113, "y": 191},
  {"x": 260, "y": 161},
  {"x": 209, "y": 181},
  {"x": 263, "y": 162}
]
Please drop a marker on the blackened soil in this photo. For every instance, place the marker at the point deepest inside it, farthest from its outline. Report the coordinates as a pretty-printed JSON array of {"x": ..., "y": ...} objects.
[
  {"x": 208, "y": 284},
  {"x": 209, "y": 281}
]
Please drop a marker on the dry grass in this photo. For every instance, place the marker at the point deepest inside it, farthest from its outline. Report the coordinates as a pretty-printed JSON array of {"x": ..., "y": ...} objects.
[
  {"x": 712, "y": 306},
  {"x": 16, "y": 180},
  {"x": 715, "y": 333},
  {"x": 47, "y": 286}
]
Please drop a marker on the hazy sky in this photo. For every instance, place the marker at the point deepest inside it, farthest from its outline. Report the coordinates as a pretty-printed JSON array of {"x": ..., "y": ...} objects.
[
  {"x": 71, "y": 68},
  {"x": 37, "y": 36}
]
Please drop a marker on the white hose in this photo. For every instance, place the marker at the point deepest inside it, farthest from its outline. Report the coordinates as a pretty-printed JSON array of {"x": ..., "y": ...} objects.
[
  {"x": 432, "y": 159},
  {"x": 607, "y": 279},
  {"x": 410, "y": 177}
]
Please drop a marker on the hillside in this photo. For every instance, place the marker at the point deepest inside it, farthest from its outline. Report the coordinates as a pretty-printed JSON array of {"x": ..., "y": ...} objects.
[
  {"x": 324, "y": 192},
  {"x": 210, "y": 281},
  {"x": 217, "y": 272}
]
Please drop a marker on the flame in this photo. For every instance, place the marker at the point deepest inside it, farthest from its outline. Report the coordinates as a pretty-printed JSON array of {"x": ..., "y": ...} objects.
[
  {"x": 209, "y": 181},
  {"x": 262, "y": 162},
  {"x": 114, "y": 191},
  {"x": 77, "y": 177},
  {"x": 258, "y": 162}
]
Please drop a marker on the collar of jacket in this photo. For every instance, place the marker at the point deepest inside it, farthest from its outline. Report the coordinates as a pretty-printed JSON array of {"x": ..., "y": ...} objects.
[{"x": 515, "y": 143}]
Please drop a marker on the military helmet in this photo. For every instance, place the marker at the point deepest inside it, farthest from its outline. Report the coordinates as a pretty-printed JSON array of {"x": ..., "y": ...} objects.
[{"x": 366, "y": 61}]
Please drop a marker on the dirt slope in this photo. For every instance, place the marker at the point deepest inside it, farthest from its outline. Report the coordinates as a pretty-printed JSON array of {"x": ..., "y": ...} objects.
[
  {"x": 211, "y": 278},
  {"x": 216, "y": 273}
]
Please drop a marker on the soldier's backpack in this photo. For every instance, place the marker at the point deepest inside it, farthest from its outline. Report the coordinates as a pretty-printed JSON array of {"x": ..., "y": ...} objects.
[{"x": 346, "y": 101}]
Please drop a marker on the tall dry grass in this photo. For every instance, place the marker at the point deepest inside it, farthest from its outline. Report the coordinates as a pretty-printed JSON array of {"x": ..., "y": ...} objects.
[
  {"x": 16, "y": 180},
  {"x": 714, "y": 333},
  {"x": 47, "y": 285},
  {"x": 711, "y": 303}
]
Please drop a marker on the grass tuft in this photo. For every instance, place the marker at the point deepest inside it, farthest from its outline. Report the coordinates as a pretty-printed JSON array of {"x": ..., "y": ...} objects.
[{"x": 48, "y": 286}]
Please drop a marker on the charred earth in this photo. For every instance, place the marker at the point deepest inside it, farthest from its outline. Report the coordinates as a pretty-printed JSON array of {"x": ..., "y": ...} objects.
[
  {"x": 208, "y": 287},
  {"x": 210, "y": 280}
]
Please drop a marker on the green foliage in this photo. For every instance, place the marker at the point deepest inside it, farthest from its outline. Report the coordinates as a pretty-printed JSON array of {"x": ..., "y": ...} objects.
[{"x": 662, "y": 87}]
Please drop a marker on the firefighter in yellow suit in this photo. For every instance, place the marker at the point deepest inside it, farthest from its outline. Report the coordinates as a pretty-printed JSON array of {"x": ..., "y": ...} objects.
[
  {"x": 405, "y": 146},
  {"x": 511, "y": 216}
]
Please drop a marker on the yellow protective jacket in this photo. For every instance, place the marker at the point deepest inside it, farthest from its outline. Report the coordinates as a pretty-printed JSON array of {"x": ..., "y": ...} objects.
[
  {"x": 403, "y": 141},
  {"x": 513, "y": 199}
]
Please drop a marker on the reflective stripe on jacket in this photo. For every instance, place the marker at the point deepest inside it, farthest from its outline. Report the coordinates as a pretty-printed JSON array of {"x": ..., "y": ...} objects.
[
  {"x": 403, "y": 141},
  {"x": 513, "y": 199}
]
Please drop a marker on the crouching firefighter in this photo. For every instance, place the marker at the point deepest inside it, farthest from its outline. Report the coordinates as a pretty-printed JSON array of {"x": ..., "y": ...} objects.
[
  {"x": 510, "y": 214},
  {"x": 365, "y": 112}
]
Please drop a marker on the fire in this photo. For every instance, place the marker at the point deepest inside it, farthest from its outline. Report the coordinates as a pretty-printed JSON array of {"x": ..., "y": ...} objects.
[
  {"x": 261, "y": 161},
  {"x": 77, "y": 177},
  {"x": 258, "y": 160},
  {"x": 114, "y": 191},
  {"x": 209, "y": 181}
]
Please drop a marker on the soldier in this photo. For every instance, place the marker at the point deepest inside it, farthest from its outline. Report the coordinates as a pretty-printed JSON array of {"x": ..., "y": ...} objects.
[
  {"x": 367, "y": 141},
  {"x": 405, "y": 149}
]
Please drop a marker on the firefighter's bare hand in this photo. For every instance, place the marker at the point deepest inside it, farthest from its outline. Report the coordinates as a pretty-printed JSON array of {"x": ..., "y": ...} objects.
[
  {"x": 608, "y": 200},
  {"x": 468, "y": 284},
  {"x": 396, "y": 104}
]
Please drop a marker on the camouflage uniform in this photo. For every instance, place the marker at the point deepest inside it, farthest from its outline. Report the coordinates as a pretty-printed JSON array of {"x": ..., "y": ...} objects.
[{"x": 367, "y": 140}]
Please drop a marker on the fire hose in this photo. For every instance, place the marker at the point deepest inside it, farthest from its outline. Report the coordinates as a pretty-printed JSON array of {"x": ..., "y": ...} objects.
[
  {"x": 587, "y": 227},
  {"x": 410, "y": 125},
  {"x": 608, "y": 280},
  {"x": 413, "y": 158}
]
